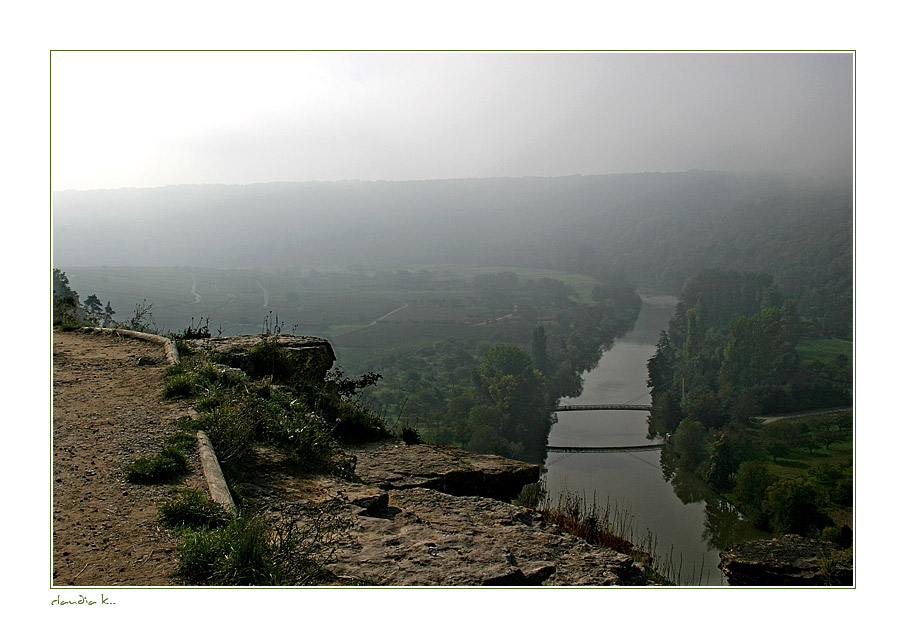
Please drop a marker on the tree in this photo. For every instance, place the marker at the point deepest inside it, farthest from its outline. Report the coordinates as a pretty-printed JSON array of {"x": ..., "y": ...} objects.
[
  {"x": 539, "y": 349},
  {"x": 752, "y": 482},
  {"x": 727, "y": 452},
  {"x": 65, "y": 300},
  {"x": 108, "y": 314},
  {"x": 706, "y": 408},
  {"x": 780, "y": 437},
  {"x": 506, "y": 382},
  {"x": 93, "y": 309},
  {"x": 793, "y": 507},
  {"x": 689, "y": 443},
  {"x": 665, "y": 415}
]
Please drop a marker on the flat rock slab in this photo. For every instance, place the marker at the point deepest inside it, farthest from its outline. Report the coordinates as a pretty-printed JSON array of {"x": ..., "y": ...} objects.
[
  {"x": 428, "y": 538},
  {"x": 392, "y": 464},
  {"x": 790, "y": 560}
]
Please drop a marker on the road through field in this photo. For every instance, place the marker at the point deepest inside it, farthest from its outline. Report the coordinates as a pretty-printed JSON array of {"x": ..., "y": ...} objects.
[
  {"x": 194, "y": 285},
  {"x": 383, "y": 317},
  {"x": 267, "y": 296}
]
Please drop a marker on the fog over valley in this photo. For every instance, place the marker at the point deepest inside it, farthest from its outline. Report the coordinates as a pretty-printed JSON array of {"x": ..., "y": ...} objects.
[{"x": 631, "y": 272}]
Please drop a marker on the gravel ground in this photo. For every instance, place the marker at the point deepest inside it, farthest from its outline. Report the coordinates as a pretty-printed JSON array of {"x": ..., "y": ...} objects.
[{"x": 107, "y": 411}]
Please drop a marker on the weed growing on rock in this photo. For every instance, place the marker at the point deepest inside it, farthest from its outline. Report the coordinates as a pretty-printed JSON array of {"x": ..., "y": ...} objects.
[{"x": 410, "y": 435}]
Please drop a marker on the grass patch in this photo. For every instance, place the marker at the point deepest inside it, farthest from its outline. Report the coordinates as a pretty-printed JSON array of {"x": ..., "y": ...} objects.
[
  {"x": 249, "y": 552},
  {"x": 188, "y": 379},
  {"x": 608, "y": 526},
  {"x": 192, "y": 509},
  {"x": 165, "y": 466},
  {"x": 824, "y": 350}
]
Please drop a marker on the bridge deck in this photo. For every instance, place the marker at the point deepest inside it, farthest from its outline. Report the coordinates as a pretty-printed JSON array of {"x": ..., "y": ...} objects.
[
  {"x": 603, "y": 449},
  {"x": 568, "y": 407}
]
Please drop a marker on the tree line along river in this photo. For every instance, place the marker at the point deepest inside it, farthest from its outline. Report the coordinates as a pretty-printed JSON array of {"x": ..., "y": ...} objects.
[{"x": 688, "y": 523}]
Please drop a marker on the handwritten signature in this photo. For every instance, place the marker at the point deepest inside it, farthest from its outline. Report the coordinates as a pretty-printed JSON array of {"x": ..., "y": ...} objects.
[{"x": 82, "y": 600}]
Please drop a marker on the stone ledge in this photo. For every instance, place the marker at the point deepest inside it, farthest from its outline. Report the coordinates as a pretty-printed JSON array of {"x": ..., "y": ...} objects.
[
  {"x": 313, "y": 354},
  {"x": 428, "y": 538},
  {"x": 393, "y": 465},
  {"x": 790, "y": 560}
]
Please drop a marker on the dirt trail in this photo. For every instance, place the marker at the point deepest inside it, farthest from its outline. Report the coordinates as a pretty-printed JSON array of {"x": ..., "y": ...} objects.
[{"x": 107, "y": 411}]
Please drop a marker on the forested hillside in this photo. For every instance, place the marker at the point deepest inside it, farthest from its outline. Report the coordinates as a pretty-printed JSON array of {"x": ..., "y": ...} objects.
[
  {"x": 733, "y": 351},
  {"x": 657, "y": 228}
]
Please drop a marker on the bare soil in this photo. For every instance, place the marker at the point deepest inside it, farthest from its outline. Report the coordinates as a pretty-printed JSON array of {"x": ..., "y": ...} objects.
[{"x": 108, "y": 410}]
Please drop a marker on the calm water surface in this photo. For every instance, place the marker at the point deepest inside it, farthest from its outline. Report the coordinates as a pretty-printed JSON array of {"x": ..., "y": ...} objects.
[{"x": 685, "y": 517}]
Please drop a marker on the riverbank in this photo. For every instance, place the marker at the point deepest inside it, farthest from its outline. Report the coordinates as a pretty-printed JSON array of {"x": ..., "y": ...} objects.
[{"x": 677, "y": 515}]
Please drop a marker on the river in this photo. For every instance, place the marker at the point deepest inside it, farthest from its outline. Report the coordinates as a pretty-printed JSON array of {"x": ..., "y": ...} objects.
[{"x": 688, "y": 523}]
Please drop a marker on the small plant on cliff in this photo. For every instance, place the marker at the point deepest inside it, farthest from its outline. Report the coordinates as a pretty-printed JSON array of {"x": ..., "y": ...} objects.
[
  {"x": 199, "y": 331},
  {"x": 608, "y": 527},
  {"x": 410, "y": 435},
  {"x": 142, "y": 319}
]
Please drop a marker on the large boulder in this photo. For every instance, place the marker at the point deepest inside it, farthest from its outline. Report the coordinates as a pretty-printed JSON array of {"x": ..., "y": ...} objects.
[
  {"x": 309, "y": 356},
  {"x": 790, "y": 560},
  {"x": 392, "y": 464}
]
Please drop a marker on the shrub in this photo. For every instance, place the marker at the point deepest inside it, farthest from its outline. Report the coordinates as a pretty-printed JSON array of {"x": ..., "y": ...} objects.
[
  {"x": 356, "y": 423},
  {"x": 410, "y": 435}
]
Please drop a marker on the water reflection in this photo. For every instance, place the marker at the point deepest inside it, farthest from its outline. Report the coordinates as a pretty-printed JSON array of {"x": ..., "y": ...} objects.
[
  {"x": 687, "y": 518},
  {"x": 724, "y": 525}
]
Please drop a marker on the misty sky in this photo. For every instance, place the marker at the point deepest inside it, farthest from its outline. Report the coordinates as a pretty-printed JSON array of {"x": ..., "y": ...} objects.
[{"x": 156, "y": 118}]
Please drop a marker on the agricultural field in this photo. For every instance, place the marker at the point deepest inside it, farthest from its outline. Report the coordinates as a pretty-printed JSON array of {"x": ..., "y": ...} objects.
[
  {"x": 361, "y": 312},
  {"x": 824, "y": 350}
]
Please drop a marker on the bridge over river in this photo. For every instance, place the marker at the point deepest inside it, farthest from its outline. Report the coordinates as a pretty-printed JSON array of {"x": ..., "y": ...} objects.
[
  {"x": 567, "y": 407},
  {"x": 602, "y": 449}
]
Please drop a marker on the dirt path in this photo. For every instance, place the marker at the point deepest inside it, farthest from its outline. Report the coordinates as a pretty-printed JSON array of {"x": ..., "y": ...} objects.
[
  {"x": 807, "y": 413},
  {"x": 107, "y": 411}
]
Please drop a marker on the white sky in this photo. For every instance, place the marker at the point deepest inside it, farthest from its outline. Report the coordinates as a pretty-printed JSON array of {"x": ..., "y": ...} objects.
[{"x": 155, "y": 118}]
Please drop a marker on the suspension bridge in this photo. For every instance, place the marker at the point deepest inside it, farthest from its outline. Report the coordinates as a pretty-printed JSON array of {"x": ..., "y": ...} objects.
[
  {"x": 561, "y": 408},
  {"x": 568, "y": 407},
  {"x": 604, "y": 449}
]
